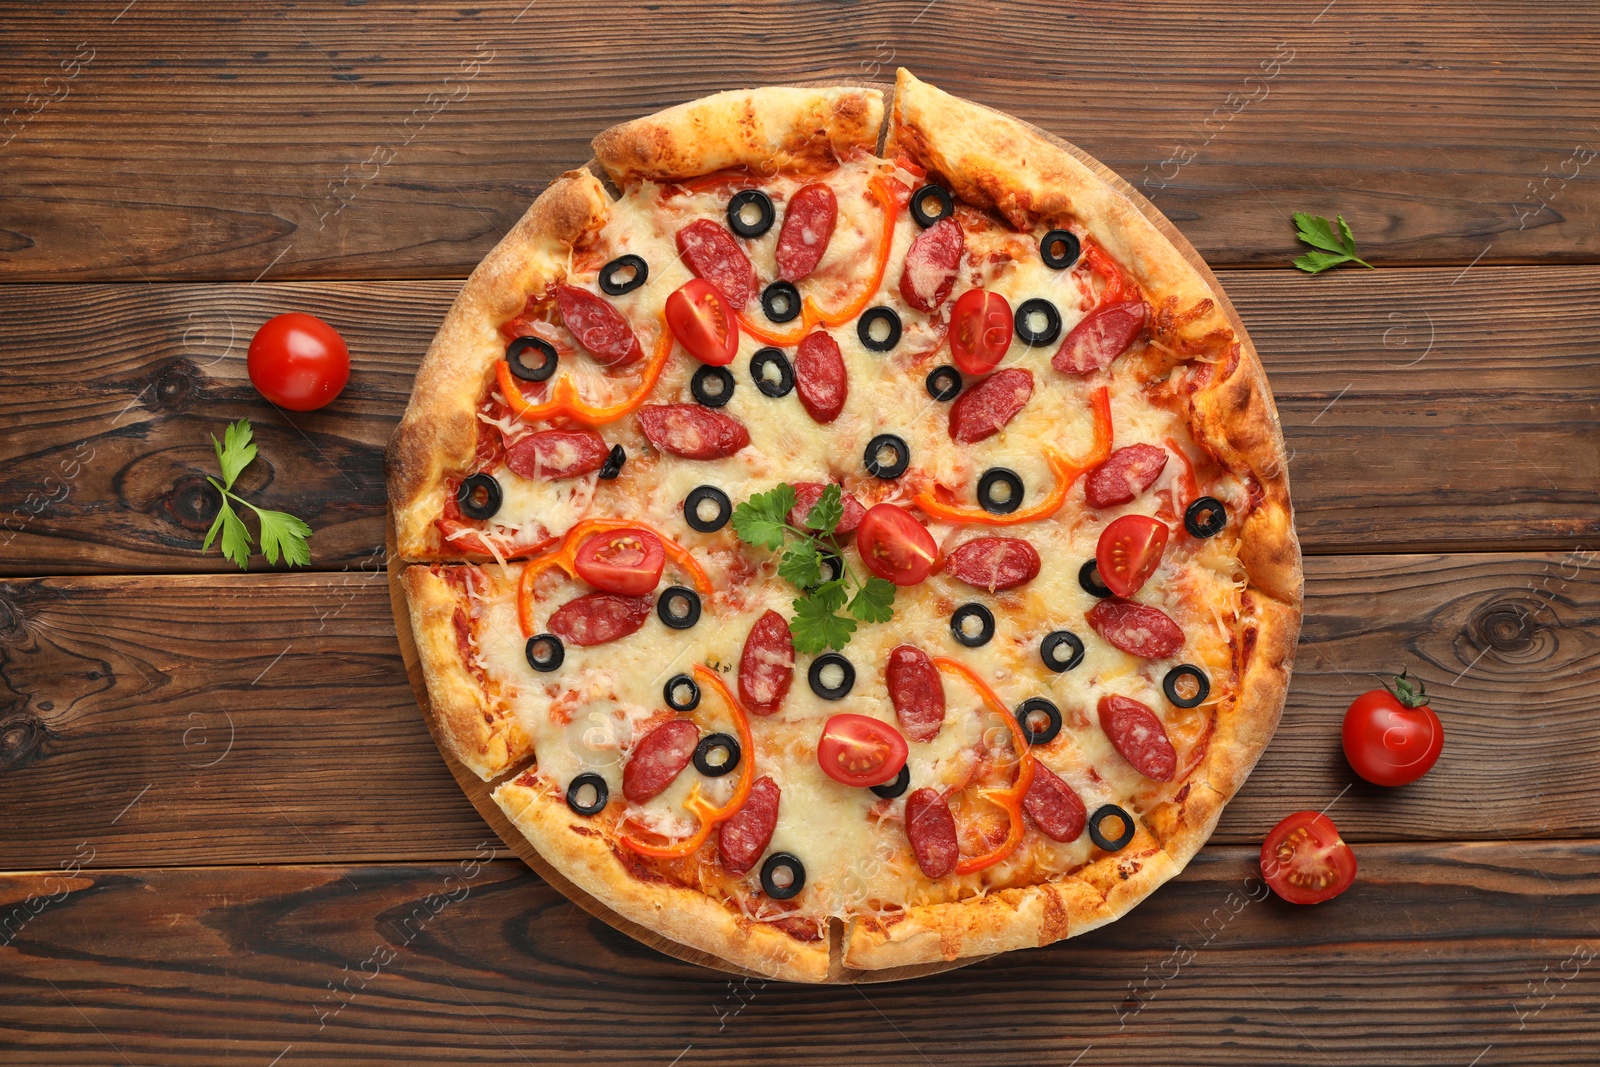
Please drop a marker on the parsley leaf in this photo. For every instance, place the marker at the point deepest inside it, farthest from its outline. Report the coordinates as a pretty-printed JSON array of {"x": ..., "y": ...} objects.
[
  {"x": 828, "y": 510},
  {"x": 1317, "y": 232},
  {"x": 801, "y": 565},
  {"x": 235, "y": 537},
  {"x": 236, "y": 454},
  {"x": 816, "y": 625},
  {"x": 763, "y": 519},
  {"x": 281, "y": 533},
  {"x": 875, "y": 601}
]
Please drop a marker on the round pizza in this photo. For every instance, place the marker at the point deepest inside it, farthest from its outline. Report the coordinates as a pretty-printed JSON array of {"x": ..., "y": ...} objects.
[{"x": 848, "y": 542}]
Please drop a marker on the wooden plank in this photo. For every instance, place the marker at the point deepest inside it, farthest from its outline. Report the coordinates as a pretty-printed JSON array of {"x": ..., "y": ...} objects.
[
  {"x": 127, "y": 691},
  {"x": 174, "y": 141},
  {"x": 1409, "y": 398},
  {"x": 1436, "y": 954}
]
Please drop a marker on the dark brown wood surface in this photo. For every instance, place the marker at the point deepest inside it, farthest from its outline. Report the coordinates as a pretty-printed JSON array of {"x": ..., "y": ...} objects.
[{"x": 219, "y": 805}]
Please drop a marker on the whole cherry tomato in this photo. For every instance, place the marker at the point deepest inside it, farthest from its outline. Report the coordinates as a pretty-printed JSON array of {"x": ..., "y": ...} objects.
[
  {"x": 298, "y": 362},
  {"x": 1391, "y": 736}
]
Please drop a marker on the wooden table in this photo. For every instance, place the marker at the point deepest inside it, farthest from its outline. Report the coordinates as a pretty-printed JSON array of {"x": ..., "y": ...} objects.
[{"x": 228, "y": 838}]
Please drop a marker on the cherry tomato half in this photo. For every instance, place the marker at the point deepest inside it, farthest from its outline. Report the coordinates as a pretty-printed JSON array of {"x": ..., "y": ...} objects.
[
  {"x": 621, "y": 561},
  {"x": 298, "y": 362},
  {"x": 894, "y": 545},
  {"x": 858, "y": 750},
  {"x": 702, "y": 321},
  {"x": 1392, "y": 737},
  {"x": 1129, "y": 552},
  {"x": 980, "y": 331},
  {"x": 1305, "y": 861}
]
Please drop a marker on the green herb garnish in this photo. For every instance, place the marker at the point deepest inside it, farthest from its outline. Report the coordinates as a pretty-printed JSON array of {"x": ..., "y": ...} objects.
[
  {"x": 281, "y": 533},
  {"x": 1317, "y": 232}
]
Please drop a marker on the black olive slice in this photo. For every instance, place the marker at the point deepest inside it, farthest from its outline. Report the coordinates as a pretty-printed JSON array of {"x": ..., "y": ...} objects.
[
  {"x": 623, "y": 275},
  {"x": 1111, "y": 844},
  {"x": 890, "y": 790},
  {"x": 919, "y": 205},
  {"x": 770, "y": 370},
  {"x": 780, "y": 301},
  {"x": 1047, "y": 333},
  {"x": 1028, "y": 714},
  {"x": 1059, "y": 249},
  {"x": 944, "y": 383},
  {"x": 1205, "y": 517},
  {"x": 895, "y": 465},
  {"x": 1089, "y": 578},
  {"x": 740, "y": 220},
  {"x": 832, "y": 567},
  {"x": 694, "y": 513},
  {"x": 782, "y": 876},
  {"x": 712, "y": 386},
  {"x": 958, "y": 625},
  {"x": 993, "y": 479},
  {"x": 1202, "y": 685},
  {"x": 613, "y": 464},
  {"x": 682, "y": 693},
  {"x": 478, "y": 496},
  {"x": 532, "y": 359},
  {"x": 678, "y": 607},
  {"x": 716, "y": 755},
  {"x": 1061, "y": 650},
  {"x": 847, "y": 676},
  {"x": 588, "y": 781},
  {"x": 867, "y": 329},
  {"x": 545, "y": 652}
]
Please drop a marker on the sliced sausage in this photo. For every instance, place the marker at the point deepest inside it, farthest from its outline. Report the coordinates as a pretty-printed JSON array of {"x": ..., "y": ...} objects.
[
  {"x": 1137, "y": 629},
  {"x": 598, "y": 326},
  {"x": 994, "y": 563},
  {"x": 806, "y": 495},
  {"x": 657, "y": 759},
  {"x": 745, "y": 836},
  {"x": 807, "y": 227},
  {"x": 984, "y": 410},
  {"x": 1103, "y": 335},
  {"x": 714, "y": 255},
  {"x": 558, "y": 454},
  {"x": 692, "y": 431},
  {"x": 766, "y": 667},
  {"x": 819, "y": 377},
  {"x": 932, "y": 263},
  {"x": 596, "y": 618},
  {"x": 1053, "y": 805},
  {"x": 1135, "y": 732},
  {"x": 932, "y": 830},
  {"x": 916, "y": 692},
  {"x": 1125, "y": 474}
]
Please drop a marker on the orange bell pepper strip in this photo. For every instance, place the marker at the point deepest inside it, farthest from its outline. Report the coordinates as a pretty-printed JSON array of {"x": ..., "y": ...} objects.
[
  {"x": 564, "y": 401},
  {"x": 1009, "y": 798},
  {"x": 1066, "y": 471},
  {"x": 566, "y": 553},
  {"x": 709, "y": 817},
  {"x": 1118, "y": 287}
]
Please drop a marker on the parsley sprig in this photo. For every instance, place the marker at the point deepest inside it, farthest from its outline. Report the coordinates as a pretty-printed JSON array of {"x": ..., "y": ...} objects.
[
  {"x": 281, "y": 533},
  {"x": 1317, "y": 232},
  {"x": 763, "y": 521}
]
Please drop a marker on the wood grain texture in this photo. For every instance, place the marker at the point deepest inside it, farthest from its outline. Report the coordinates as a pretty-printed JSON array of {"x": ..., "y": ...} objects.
[
  {"x": 470, "y": 963},
  {"x": 1409, "y": 399},
  {"x": 387, "y": 140},
  {"x": 112, "y": 685}
]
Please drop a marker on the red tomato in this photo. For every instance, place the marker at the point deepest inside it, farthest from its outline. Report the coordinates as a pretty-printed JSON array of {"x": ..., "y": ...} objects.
[
  {"x": 621, "y": 561},
  {"x": 894, "y": 545},
  {"x": 298, "y": 362},
  {"x": 702, "y": 321},
  {"x": 1305, "y": 861},
  {"x": 1392, "y": 737},
  {"x": 980, "y": 331},
  {"x": 1129, "y": 552},
  {"x": 858, "y": 750}
]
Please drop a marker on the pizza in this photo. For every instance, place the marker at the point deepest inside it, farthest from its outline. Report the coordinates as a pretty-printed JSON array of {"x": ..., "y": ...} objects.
[{"x": 848, "y": 535}]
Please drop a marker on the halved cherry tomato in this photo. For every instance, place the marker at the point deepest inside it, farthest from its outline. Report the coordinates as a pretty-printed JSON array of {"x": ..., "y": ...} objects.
[
  {"x": 298, "y": 362},
  {"x": 625, "y": 561},
  {"x": 1305, "y": 861},
  {"x": 1129, "y": 552},
  {"x": 858, "y": 750},
  {"x": 702, "y": 321},
  {"x": 980, "y": 331},
  {"x": 894, "y": 545},
  {"x": 1392, "y": 737}
]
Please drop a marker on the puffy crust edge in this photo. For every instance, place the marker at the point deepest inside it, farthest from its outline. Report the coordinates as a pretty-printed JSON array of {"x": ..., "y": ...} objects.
[
  {"x": 774, "y": 127},
  {"x": 438, "y": 433},
  {"x": 684, "y": 915}
]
